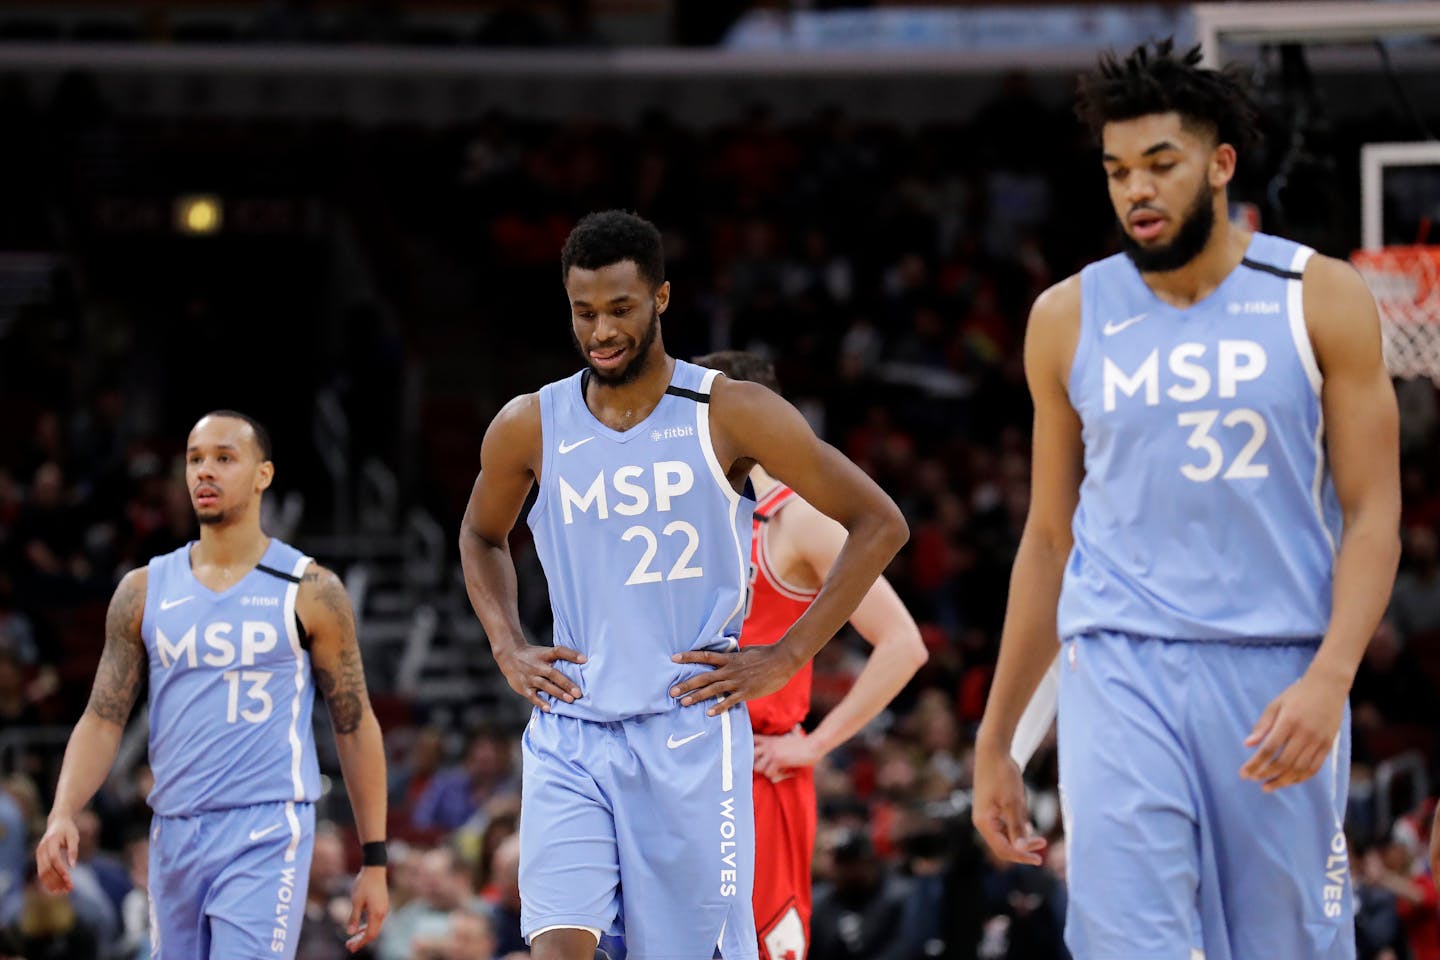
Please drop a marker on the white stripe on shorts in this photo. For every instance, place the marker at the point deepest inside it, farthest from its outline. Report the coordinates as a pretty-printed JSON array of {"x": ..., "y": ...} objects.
[
  {"x": 727, "y": 754},
  {"x": 294, "y": 822}
]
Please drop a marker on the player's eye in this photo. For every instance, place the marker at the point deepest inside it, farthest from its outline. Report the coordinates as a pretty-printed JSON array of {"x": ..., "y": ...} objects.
[
  {"x": 1164, "y": 167},
  {"x": 1118, "y": 174},
  {"x": 621, "y": 311}
]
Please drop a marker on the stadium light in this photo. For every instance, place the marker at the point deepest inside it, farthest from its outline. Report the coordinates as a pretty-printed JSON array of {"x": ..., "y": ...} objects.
[{"x": 198, "y": 214}]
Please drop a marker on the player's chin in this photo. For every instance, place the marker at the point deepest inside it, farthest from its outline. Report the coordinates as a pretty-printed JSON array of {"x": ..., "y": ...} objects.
[{"x": 208, "y": 516}]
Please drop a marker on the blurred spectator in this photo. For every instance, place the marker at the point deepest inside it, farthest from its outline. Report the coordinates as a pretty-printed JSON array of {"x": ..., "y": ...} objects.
[
  {"x": 504, "y": 896},
  {"x": 1415, "y": 602},
  {"x": 111, "y": 875},
  {"x": 135, "y": 911},
  {"x": 455, "y": 794},
  {"x": 1025, "y": 906},
  {"x": 1394, "y": 868},
  {"x": 327, "y": 900},
  {"x": 469, "y": 937},
  {"x": 1392, "y": 689},
  {"x": 866, "y": 911},
  {"x": 14, "y": 852},
  {"x": 16, "y": 710},
  {"x": 441, "y": 885},
  {"x": 49, "y": 927},
  {"x": 411, "y": 775}
]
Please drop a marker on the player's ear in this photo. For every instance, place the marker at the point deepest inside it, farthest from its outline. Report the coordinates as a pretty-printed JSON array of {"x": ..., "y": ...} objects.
[
  {"x": 662, "y": 297},
  {"x": 1222, "y": 165},
  {"x": 264, "y": 474}
]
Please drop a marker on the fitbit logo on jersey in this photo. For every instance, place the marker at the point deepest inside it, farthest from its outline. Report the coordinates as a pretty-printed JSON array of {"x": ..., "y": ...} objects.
[
  {"x": 671, "y": 433},
  {"x": 728, "y": 869},
  {"x": 256, "y": 637},
  {"x": 1236, "y": 362},
  {"x": 668, "y": 479}
]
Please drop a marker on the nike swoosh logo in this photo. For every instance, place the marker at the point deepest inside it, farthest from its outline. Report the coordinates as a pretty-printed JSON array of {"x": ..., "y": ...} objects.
[
  {"x": 1113, "y": 328},
  {"x": 567, "y": 447},
  {"x": 257, "y": 834},
  {"x": 672, "y": 743},
  {"x": 169, "y": 604}
]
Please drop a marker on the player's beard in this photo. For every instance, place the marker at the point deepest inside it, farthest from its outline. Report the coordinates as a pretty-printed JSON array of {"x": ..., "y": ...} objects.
[
  {"x": 632, "y": 370},
  {"x": 212, "y": 518},
  {"x": 1190, "y": 239}
]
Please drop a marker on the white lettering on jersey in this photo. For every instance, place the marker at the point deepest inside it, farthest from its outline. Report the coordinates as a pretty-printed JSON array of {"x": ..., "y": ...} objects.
[
  {"x": 256, "y": 637},
  {"x": 595, "y": 494},
  {"x": 223, "y": 651},
  {"x": 170, "y": 653},
  {"x": 1232, "y": 370},
  {"x": 1147, "y": 375},
  {"x": 728, "y": 866},
  {"x": 670, "y": 479},
  {"x": 1237, "y": 362},
  {"x": 673, "y": 478}
]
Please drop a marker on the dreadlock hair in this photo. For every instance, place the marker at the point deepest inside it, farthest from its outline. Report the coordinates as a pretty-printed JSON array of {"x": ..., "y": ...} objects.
[
  {"x": 606, "y": 238},
  {"x": 1153, "y": 78}
]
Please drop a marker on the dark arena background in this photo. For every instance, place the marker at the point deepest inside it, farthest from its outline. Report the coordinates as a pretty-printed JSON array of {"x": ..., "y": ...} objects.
[{"x": 345, "y": 218}]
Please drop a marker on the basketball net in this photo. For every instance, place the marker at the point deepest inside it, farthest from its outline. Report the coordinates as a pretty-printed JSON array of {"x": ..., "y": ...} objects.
[{"x": 1406, "y": 284}]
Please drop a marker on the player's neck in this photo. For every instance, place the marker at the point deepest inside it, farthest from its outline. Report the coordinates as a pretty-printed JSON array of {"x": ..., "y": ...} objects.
[
  {"x": 230, "y": 546},
  {"x": 762, "y": 482},
  {"x": 621, "y": 407},
  {"x": 1198, "y": 279}
]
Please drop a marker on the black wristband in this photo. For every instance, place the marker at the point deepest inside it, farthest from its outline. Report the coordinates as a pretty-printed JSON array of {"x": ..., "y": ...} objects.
[{"x": 374, "y": 854}]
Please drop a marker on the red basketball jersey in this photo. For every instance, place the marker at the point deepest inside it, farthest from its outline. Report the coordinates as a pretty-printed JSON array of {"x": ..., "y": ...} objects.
[{"x": 771, "y": 607}]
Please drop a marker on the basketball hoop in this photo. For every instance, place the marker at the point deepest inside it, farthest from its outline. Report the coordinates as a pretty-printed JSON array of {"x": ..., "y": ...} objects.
[{"x": 1406, "y": 284}]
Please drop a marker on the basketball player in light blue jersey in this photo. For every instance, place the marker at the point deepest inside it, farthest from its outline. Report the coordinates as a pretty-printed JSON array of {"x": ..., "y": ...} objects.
[
  {"x": 1212, "y": 536},
  {"x": 237, "y": 630},
  {"x": 636, "y": 814}
]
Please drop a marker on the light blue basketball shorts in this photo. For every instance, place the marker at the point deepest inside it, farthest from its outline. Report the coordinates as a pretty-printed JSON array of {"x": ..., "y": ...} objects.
[
  {"x": 230, "y": 884},
  {"x": 642, "y": 828},
  {"x": 1164, "y": 836}
]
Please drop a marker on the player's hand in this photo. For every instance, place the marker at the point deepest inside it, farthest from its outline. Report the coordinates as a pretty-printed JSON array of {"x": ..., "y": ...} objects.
[
  {"x": 1297, "y": 731},
  {"x": 369, "y": 904},
  {"x": 530, "y": 671},
  {"x": 999, "y": 809},
  {"x": 775, "y": 757},
  {"x": 55, "y": 855},
  {"x": 739, "y": 675}
]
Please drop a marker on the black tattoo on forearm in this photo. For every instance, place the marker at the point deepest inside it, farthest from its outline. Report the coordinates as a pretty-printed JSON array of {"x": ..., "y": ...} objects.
[
  {"x": 117, "y": 680},
  {"x": 342, "y": 682}
]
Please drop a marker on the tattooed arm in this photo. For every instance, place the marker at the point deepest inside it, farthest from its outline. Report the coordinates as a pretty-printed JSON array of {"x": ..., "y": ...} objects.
[
  {"x": 323, "y": 607},
  {"x": 96, "y": 738}
]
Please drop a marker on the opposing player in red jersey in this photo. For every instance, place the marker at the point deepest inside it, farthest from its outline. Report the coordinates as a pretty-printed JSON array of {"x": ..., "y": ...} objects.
[{"x": 791, "y": 552}]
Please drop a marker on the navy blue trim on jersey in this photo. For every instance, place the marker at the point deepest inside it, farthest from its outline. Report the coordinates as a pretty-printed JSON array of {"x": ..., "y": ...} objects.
[
  {"x": 291, "y": 578},
  {"x": 688, "y": 394},
  {"x": 1267, "y": 268},
  {"x": 277, "y": 573}
]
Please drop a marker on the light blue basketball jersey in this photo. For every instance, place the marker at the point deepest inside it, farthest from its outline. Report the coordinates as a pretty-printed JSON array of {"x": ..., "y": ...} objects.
[
  {"x": 231, "y": 690},
  {"x": 1207, "y": 510},
  {"x": 644, "y": 542}
]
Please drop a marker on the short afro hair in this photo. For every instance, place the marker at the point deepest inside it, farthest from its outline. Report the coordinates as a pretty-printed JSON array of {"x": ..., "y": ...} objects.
[
  {"x": 610, "y": 237},
  {"x": 1153, "y": 78},
  {"x": 742, "y": 365}
]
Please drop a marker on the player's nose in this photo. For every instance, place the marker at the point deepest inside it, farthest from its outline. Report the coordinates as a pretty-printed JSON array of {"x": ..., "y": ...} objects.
[
  {"x": 1139, "y": 188},
  {"x": 605, "y": 328}
]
